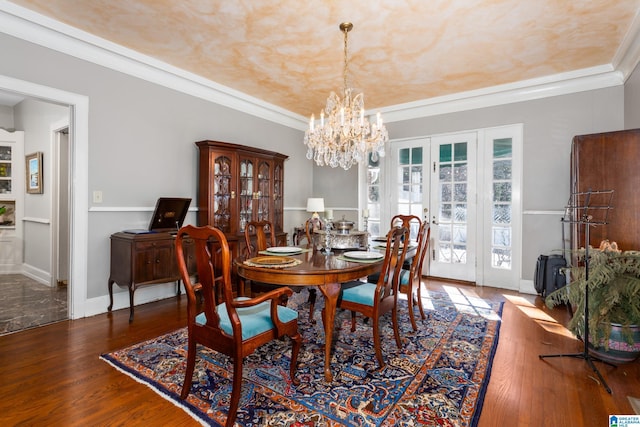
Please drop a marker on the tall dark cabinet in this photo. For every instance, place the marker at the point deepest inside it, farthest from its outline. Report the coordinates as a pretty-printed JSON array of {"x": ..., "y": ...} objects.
[
  {"x": 609, "y": 161},
  {"x": 238, "y": 184}
]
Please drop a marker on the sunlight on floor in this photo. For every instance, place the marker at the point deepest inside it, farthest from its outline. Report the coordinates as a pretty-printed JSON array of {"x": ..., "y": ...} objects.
[
  {"x": 545, "y": 321},
  {"x": 465, "y": 301}
]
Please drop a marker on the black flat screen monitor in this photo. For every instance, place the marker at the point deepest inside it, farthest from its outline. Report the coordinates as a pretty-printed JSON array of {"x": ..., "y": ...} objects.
[{"x": 169, "y": 214}]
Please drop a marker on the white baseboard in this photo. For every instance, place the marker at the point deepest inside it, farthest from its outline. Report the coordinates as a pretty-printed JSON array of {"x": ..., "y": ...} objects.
[
  {"x": 527, "y": 287},
  {"x": 37, "y": 274},
  {"x": 143, "y": 295}
]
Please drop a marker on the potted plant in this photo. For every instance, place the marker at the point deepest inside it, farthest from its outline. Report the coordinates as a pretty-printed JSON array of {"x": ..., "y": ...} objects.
[{"x": 614, "y": 302}]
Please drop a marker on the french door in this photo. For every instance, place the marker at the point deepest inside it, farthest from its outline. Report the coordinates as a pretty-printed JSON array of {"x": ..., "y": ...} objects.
[
  {"x": 453, "y": 206},
  {"x": 468, "y": 185}
]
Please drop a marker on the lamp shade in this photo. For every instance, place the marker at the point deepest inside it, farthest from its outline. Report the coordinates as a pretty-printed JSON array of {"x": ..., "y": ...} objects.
[{"x": 315, "y": 204}]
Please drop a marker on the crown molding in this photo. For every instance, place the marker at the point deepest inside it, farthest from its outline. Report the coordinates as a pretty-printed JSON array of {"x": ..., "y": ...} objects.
[{"x": 33, "y": 27}]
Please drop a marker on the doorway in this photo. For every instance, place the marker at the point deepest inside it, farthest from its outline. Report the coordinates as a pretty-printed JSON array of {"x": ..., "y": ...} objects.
[{"x": 36, "y": 290}]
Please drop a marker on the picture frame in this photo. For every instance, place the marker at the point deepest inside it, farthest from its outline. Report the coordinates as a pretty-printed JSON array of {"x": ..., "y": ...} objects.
[{"x": 34, "y": 172}]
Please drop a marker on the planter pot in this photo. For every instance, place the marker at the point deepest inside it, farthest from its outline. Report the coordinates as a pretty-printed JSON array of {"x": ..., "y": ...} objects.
[{"x": 619, "y": 350}]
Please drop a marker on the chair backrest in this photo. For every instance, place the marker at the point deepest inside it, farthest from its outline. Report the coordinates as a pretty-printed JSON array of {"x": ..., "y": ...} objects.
[
  {"x": 412, "y": 222},
  {"x": 310, "y": 226},
  {"x": 394, "y": 256},
  {"x": 213, "y": 263},
  {"x": 263, "y": 232},
  {"x": 417, "y": 261}
]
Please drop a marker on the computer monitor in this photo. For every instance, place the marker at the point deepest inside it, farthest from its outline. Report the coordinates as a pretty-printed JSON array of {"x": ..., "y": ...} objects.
[{"x": 169, "y": 214}]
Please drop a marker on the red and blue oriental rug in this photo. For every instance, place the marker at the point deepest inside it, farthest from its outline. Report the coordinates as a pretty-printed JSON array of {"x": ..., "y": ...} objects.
[{"x": 438, "y": 378}]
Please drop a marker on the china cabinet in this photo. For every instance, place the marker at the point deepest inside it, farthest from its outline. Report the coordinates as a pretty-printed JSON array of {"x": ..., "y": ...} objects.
[
  {"x": 12, "y": 180},
  {"x": 238, "y": 184}
]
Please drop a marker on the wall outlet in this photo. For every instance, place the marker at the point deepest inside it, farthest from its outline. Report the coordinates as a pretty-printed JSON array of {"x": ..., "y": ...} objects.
[{"x": 97, "y": 196}]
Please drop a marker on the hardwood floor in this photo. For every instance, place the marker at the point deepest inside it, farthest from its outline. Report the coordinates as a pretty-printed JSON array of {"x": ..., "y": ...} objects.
[{"x": 51, "y": 375}]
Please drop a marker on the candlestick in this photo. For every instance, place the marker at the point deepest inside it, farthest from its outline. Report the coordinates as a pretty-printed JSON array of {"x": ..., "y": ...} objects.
[{"x": 365, "y": 213}]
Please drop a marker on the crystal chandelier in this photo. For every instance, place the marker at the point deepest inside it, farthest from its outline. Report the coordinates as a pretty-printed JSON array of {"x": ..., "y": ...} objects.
[{"x": 344, "y": 135}]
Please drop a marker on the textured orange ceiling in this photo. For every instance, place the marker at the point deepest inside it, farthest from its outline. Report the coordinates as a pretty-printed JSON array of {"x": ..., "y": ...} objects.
[{"x": 290, "y": 52}]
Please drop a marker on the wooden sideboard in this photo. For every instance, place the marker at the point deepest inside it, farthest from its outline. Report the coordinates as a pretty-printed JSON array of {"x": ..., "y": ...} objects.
[{"x": 145, "y": 259}]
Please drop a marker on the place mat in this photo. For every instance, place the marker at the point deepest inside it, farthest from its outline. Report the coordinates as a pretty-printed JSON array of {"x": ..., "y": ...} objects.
[
  {"x": 266, "y": 252},
  {"x": 363, "y": 261},
  {"x": 272, "y": 261}
]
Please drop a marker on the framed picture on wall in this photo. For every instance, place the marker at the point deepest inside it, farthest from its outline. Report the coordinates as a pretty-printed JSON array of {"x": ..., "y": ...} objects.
[{"x": 34, "y": 173}]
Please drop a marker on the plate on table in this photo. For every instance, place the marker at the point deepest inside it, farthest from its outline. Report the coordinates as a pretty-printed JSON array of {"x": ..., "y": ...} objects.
[
  {"x": 272, "y": 260},
  {"x": 284, "y": 250},
  {"x": 379, "y": 239},
  {"x": 363, "y": 255}
]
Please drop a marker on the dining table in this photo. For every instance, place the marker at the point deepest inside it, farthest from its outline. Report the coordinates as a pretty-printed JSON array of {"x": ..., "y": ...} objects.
[{"x": 327, "y": 272}]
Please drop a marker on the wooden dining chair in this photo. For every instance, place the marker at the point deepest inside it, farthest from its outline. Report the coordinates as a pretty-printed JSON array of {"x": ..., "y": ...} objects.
[
  {"x": 373, "y": 300},
  {"x": 411, "y": 279},
  {"x": 237, "y": 327},
  {"x": 264, "y": 239},
  {"x": 411, "y": 274}
]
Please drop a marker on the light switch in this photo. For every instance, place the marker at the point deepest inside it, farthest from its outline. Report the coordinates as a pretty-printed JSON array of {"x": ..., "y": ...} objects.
[{"x": 97, "y": 196}]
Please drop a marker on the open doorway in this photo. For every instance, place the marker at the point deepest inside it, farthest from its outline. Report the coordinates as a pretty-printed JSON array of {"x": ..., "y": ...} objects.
[{"x": 35, "y": 292}]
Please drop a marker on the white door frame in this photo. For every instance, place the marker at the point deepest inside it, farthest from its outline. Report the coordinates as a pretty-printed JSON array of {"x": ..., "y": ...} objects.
[{"x": 79, "y": 189}]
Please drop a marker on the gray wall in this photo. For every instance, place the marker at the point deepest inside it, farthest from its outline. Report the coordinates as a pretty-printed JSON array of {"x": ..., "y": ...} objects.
[
  {"x": 632, "y": 100},
  {"x": 141, "y": 143}
]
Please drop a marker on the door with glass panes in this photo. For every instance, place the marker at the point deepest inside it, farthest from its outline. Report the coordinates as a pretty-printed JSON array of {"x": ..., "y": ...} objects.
[{"x": 453, "y": 206}]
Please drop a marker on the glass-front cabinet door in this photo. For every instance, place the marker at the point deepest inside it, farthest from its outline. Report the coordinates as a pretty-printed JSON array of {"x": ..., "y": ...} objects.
[
  {"x": 247, "y": 193},
  {"x": 223, "y": 193},
  {"x": 263, "y": 193}
]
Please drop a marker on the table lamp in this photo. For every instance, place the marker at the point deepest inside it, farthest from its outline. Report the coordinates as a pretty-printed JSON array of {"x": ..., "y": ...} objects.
[{"x": 315, "y": 205}]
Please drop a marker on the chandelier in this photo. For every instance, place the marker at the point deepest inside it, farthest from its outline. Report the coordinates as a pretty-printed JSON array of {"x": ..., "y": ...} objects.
[{"x": 344, "y": 135}]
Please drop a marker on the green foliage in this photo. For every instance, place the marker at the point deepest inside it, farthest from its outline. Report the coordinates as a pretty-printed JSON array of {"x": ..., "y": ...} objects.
[
  {"x": 614, "y": 294},
  {"x": 3, "y": 209}
]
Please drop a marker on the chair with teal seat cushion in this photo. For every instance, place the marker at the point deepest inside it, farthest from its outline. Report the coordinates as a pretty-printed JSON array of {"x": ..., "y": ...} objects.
[
  {"x": 374, "y": 300},
  {"x": 410, "y": 278},
  {"x": 234, "y": 327}
]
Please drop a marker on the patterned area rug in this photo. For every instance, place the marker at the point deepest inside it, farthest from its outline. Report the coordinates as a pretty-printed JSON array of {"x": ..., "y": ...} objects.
[{"x": 438, "y": 378}]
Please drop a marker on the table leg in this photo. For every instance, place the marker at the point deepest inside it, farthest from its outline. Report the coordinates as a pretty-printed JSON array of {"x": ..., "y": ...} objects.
[{"x": 331, "y": 291}]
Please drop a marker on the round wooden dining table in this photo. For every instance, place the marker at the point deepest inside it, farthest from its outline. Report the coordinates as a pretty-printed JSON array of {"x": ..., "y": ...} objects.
[{"x": 327, "y": 272}]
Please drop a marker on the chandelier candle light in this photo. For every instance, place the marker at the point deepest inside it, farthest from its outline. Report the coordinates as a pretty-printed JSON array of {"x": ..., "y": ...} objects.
[{"x": 345, "y": 136}]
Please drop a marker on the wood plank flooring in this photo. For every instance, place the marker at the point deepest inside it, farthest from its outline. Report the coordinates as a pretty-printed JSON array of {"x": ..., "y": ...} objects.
[{"x": 51, "y": 375}]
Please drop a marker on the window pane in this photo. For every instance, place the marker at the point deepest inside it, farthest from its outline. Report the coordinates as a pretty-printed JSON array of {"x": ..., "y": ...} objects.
[
  {"x": 373, "y": 176},
  {"x": 445, "y": 173},
  {"x": 502, "y": 169},
  {"x": 403, "y": 156},
  {"x": 502, "y": 148},
  {"x": 445, "y": 153},
  {"x": 444, "y": 253},
  {"x": 501, "y": 214},
  {"x": 460, "y": 172},
  {"x": 374, "y": 195},
  {"x": 501, "y": 258},
  {"x": 460, "y": 213},
  {"x": 372, "y": 163},
  {"x": 502, "y": 191},
  {"x": 460, "y": 151},
  {"x": 501, "y": 236},
  {"x": 460, "y": 193},
  {"x": 416, "y": 155},
  {"x": 445, "y": 212},
  {"x": 416, "y": 174},
  {"x": 445, "y": 192}
]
